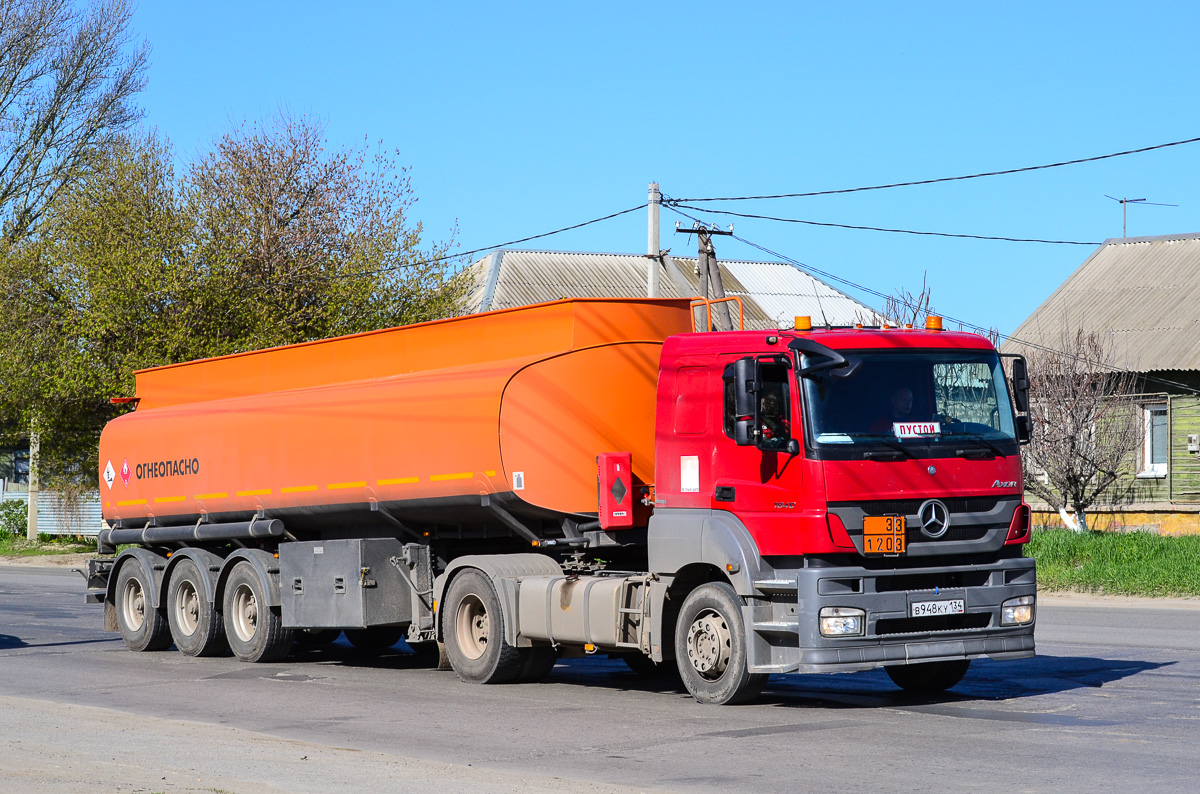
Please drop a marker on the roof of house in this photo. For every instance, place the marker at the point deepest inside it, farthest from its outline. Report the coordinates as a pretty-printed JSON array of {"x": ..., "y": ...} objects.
[
  {"x": 1141, "y": 293},
  {"x": 772, "y": 293}
]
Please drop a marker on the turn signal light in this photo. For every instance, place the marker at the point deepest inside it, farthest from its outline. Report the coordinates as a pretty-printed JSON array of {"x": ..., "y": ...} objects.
[
  {"x": 1017, "y": 611},
  {"x": 1018, "y": 529}
]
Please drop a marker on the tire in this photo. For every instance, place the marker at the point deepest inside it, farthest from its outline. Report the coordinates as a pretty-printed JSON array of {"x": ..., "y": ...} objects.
[
  {"x": 473, "y": 625},
  {"x": 928, "y": 676},
  {"x": 195, "y": 623},
  {"x": 375, "y": 638},
  {"x": 142, "y": 627},
  {"x": 536, "y": 663},
  {"x": 255, "y": 631},
  {"x": 710, "y": 647},
  {"x": 316, "y": 638}
]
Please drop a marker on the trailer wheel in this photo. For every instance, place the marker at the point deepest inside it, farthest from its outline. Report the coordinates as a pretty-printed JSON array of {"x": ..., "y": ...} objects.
[
  {"x": 710, "y": 647},
  {"x": 195, "y": 624},
  {"x": 255, "y": 631},
  {"x": 375, "y": 638},
  {"x": 536, "y": 663},
  {"x": 474, "y": 631},
  {"x": 142, "y": 627},
  {"x": 928, "y": 676}
]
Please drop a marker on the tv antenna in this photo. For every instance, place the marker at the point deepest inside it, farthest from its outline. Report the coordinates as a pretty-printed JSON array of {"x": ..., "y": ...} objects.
[{"x": 1125, "y": 202}]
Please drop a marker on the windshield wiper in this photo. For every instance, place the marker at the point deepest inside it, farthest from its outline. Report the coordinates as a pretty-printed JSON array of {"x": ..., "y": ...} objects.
[
  {"x": 896, "y": 445},
  {"x": 976, "y": 437}
]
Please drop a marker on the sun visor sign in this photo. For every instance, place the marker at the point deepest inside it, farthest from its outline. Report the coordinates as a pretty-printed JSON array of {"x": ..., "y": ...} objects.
[
  {"x": 616, "y": 492},
  {"x": 916, "y": 429}
]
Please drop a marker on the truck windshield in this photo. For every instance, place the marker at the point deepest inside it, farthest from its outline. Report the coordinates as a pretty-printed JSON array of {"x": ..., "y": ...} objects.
[{"x": 922, "y": 400}]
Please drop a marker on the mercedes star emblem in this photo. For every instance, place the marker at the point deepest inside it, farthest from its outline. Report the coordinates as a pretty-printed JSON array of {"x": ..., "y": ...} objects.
[{"x": 934, "y": 517}]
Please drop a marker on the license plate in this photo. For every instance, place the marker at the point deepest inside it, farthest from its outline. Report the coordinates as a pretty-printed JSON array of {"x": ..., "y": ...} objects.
[
  {"x": 883, "y": 535},
  {"x": 924, "y": 609}
]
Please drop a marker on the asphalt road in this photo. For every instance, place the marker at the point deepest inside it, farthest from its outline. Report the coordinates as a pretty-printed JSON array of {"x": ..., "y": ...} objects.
[{"x": 1112, "y": 702}]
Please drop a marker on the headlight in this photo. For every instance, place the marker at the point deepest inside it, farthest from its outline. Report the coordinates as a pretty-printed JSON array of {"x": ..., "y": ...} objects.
[
  {"x": 842, "y": 622},
  {"x": 1017, "y": 611}
]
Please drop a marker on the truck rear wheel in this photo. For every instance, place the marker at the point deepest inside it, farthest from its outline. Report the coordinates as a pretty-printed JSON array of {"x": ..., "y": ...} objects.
[
  {"x": 142, "y": 627},
  {"x": 195, "y": 624},
  {"x": 474, "y": 630},
  {"x": 710, "y": 647},
  {"x": 255, "y": 630},
  {"x": 928, "y": 676}
]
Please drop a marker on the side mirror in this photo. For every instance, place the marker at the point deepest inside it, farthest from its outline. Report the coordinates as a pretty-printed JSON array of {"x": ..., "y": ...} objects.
[
  {"x": 743, "y": 432},
  {"x": 1020, "y": 384},
  {"x": 1024, "y": 429},
  {"x": 745, "y": 387},
  {"x": 793, "y": 447}
]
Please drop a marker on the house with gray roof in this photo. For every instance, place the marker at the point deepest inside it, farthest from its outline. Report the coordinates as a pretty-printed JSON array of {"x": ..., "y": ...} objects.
[
  {"x": 773, "y": 294},
  {"x": 1142, "y": 295}
]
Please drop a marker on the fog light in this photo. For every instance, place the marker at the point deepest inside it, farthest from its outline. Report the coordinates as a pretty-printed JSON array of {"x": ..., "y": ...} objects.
[
  {"x": 842, "y": 622},
  {"x": 1017, "y": 611}
]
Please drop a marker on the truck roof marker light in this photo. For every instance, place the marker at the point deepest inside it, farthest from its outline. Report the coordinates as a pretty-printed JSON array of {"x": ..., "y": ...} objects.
[
  {"x": 858, "y": 326},
  {"x": 908, "y": 326},
  {"x": 803, "y": 323},
  {"x": 933, "y": 323}
]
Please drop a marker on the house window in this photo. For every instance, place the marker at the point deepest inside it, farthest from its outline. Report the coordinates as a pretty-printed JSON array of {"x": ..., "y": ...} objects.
[{"x": 1155, "y": 448}]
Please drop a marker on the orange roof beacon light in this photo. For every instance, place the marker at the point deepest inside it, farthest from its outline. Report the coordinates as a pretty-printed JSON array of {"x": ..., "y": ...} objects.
[
  {"x": 933, "y": 323},
  {"x": 803, "y": 323}
]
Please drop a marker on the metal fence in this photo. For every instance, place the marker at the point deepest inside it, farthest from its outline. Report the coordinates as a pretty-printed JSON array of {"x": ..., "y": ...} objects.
[{"x": 58, "y": 515}]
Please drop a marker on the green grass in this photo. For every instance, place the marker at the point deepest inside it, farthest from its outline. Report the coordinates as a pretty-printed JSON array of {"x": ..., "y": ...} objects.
[
  {"x": 18, "y": 546},
  {"x": 1113, "y": 563}
]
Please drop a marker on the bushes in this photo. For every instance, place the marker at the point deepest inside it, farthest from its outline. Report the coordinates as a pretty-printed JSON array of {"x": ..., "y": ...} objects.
[{"x": 14, "y": 518}]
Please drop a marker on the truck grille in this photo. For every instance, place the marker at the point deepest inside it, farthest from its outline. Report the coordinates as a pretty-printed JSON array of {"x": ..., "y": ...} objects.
[
  {"x": 943, "y": 580},
  {"x": 909, "y": 507}
]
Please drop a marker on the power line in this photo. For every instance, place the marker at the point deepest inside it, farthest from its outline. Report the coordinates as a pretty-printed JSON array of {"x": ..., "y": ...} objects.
[
  {"x": 963, "y": 323},
  {"x": 680, "y": 205},
  {"x": 945, "y": 178}
]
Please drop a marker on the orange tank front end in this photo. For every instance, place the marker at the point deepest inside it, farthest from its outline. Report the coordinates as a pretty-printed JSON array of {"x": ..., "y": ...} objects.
[{"x": 419, "y": 421}]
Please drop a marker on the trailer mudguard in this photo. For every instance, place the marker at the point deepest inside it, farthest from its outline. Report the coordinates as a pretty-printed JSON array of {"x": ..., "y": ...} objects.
[
  {"x": 264, "y": 562},
  {"x": 209, "y": 564},
  {"x": 505, "y": 571}
]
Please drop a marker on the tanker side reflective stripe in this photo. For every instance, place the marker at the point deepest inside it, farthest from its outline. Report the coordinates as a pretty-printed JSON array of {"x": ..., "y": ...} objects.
[
  {"x": 221, "y": 495},
  {"x": 461, "y": 476},
  {"x": 298, "y": 488},
  {"x": 335, "y": 485},
  {"x": 131, "y": 502},
  {"x": 259, "y": 492},
  {"x": 490, "y": 473},
  {"x": 158, "y": 499},
  {"x": 398, "y": 481}
]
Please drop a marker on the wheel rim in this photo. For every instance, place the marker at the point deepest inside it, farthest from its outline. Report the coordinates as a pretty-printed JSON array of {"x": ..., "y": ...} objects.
[
  {"x": 133, "y": 605},
  {"x": 187, "y": 607},
  {"x": 709, "y": 644},
  {"x": 472, "y": 626},
  {"x": 245, "y": 613}
]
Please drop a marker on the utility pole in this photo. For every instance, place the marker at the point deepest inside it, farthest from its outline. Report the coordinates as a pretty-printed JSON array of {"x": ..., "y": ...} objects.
[
  {"x": 653, "y": 253},
  {"x": 711, "y": 285},
  {"x": 35, "y": 457}
]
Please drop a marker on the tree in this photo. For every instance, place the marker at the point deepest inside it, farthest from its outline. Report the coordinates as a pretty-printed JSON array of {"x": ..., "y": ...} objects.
[
  {"x": 295, "y": 241},
  {"x": 269, "y": 240},
  {"x": 67, "y": 80},
  {"x": 1085, "y": 425}
]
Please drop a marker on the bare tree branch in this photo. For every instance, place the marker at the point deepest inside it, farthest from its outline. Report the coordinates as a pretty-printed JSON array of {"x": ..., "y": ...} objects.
[{"x": 67, "y": 80}]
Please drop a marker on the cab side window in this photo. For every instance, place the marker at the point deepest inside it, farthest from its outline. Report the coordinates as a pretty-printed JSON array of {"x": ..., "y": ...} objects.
[{"x": 774, "y": 408}]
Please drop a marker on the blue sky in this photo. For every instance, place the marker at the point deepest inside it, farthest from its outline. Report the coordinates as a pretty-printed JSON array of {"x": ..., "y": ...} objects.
[{"x": 519, "y": 118}]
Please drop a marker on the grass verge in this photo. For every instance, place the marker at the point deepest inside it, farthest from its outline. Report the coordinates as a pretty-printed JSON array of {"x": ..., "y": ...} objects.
[
  {"x": 1113, "y": 563},
  {"x": 14, "y": 546}
]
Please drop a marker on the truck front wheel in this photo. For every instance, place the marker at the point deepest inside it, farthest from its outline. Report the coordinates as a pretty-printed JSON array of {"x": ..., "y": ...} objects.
[
  {"x": 255, "y": 630},
  {"x": 710, "y": 647},
  {"x": 928, "y": 676},
  {"x": 142, "y": 627},
  {"x": 473, "y": 625}
]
